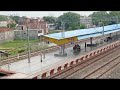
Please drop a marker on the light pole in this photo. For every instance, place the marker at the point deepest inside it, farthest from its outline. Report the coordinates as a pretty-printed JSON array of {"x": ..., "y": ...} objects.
[
  {"x": 41, "y": 47},
  {"x": 63, "y": 29},
  {"x": 28, "y": 44},
  {"x": 41, "y": 57},
  {"x": 117, "y": 20},
  {"x": 63, "y": 36},
  {"x": 8, "y": 62},
  {"x": 0, "y": 60},
  {"x": 103, "y": 28}
]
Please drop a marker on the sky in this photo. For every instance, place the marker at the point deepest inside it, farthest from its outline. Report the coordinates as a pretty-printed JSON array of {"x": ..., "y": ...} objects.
[{"x": 43, "y": 13}]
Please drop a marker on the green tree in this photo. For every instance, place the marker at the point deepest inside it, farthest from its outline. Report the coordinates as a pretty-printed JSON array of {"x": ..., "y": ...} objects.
[
  {"x": 11, "y": 25},
  {"x": 49, "y": 19},
  {"x": 100, "y": 16},
  {"x": 70, "y": 21},
  {"x": 83, "y": 26},
  {"x": 3, "y": 18},
  {"x": 115, "y": 16},
  {"x": 16, "y": 18}
]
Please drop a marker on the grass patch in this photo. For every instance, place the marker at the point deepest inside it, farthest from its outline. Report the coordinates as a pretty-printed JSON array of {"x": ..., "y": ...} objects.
[
  {"x": 13, "y": 47},
  {"x": 54, "y": 31}
]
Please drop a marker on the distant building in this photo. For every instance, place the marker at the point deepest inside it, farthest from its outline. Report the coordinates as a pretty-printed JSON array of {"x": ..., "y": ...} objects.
[
  {"x": 33, "y": 24},
  {"x": 87, "y": 21},
  {"x": 3, "y": 24},
  {"x": 22, "y": 34},
  {"x": 6, "y": 34},
  {"x": 51, "y": 26}
]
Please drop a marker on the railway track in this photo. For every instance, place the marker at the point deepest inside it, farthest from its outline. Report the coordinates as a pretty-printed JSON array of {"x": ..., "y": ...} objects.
[
  {"x": 97, "y": 71},
  {"x": 73, "y": 69},
  {"x": 12, "y": 59}
]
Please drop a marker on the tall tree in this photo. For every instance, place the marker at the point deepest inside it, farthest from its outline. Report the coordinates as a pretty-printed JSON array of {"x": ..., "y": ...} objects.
[
  {"x": 49, "y": 19},
  {"x": 70, "y": 21},
  {"x": 115, "y": 15},
  {"x": 100, "y": 16},
  {"x": 83, "y": 26},
  {"x": 3, "y": 18},
  {"x": 16, "y": 18}
]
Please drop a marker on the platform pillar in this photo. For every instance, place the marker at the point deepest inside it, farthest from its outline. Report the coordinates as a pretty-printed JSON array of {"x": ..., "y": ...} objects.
[
  {"x": 85, "y": 46},
  {"x": 91, "y": 42},
  {"x": 110, "y": 34},
  {"x": 116, "y": 35},
  {"x": 62, "y": 51}
]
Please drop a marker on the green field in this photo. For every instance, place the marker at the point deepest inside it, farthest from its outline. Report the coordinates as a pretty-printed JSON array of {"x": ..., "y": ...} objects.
[
  {"x": 20, "y": 46},
  {"x": 16, "y": 43},
  {"x": 54, "y": 31},
  {"x": 13, "y": 47}
]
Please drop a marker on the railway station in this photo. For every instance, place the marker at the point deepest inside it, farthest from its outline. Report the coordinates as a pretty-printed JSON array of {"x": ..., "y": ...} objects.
[
  {"x": 79, "y": 41},
  {"x": 71, "y": 37}
]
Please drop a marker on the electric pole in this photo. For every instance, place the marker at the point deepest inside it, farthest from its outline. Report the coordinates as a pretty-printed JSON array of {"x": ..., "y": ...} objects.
[
  {"x": 28, "y": 44},
  {"x": 117, "y": 20},
  {"x": 0, "y": 60},
  {"x": 63, "y": 28},
  {"x": 103, "y": 28}
]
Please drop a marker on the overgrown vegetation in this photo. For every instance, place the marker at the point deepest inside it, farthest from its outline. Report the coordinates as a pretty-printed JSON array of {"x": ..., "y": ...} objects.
[
  {"x": 20, "y": 46},
  {"x": 3, "y": 18}
]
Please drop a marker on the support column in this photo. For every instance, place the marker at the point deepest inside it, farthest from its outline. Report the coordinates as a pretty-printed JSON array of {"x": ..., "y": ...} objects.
[
  {"x": 91, "y": 43},
  {"x": 62, "y": 51},
  {"x": 0, "y": 61},
  {"x": 85, "y": 46},
  {"x": 91, "y": 40},
  {"x": 110, "y": 34},
  {"x": 8, "y": 64},
  {"x": 116, "y": 36},
  {"x": 41, "y": 57}
]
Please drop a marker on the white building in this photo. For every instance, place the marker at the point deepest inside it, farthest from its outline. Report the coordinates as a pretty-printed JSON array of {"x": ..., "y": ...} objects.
[
  {"x": 3, "y": 24},
  {"x": 51, "y": 26},
  {"x": 87, "y": 21}
]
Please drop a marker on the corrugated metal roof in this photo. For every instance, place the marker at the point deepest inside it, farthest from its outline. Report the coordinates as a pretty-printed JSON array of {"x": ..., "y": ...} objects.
[{"x": 90, "y": 32}]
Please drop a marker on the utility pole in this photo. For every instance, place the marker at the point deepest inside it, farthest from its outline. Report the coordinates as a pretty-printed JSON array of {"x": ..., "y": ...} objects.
[
  {"x": 63, "y": 28},
  {"x": 117, "y": 20},
  {"x": 41, "y": 47},
  {"x": 103, "y": 28},
  {"x": 116, "y": 25},
  {"x": 8, "y": 63},
  {"x": 41, "y": 57},
  {"x": 28, "y": 44},
  {"x": 0, "y": 60}
]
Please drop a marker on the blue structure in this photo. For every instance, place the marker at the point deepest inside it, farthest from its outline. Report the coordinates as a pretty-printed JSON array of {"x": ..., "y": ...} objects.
[
  {"x": 86, "y": 33},
  {"x": 75, "y": 35}
]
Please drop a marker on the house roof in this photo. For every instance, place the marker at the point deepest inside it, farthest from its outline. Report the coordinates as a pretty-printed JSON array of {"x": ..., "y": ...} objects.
[{"x": 3, "y": 29}]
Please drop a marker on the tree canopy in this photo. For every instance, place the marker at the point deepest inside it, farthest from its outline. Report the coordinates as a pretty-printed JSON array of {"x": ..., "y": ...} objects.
[
  {"x": 3, "y": 18},
  {"x": 98, "y": 17},
  {"x": 49, "y": 19},
  {"x": 70, "y": 21},
  {"x": 16, "y": 18},
  {"x": 83, "y": 26},
  {"x": 115, "y": 16},
  {"x": 105, "y": 17}
]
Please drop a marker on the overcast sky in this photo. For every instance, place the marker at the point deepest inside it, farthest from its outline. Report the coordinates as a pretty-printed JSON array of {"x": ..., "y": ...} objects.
[{"x": 42, "y": 13}]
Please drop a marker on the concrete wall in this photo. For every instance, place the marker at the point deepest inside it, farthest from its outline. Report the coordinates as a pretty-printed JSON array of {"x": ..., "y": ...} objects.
[
  {"x": 3, "y": 24},
  {"x": 22, "y": 34},
  {"x": 6, "y": 36}
]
